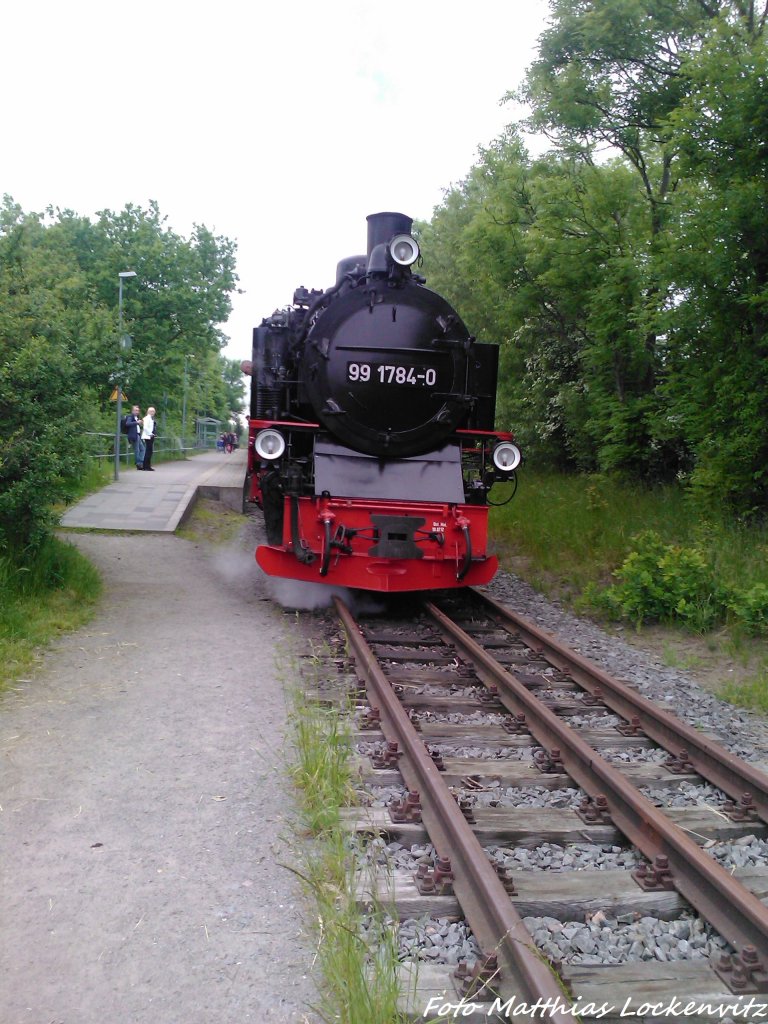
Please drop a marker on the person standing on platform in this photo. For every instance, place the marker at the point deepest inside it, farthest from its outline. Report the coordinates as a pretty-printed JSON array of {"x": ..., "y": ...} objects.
[
  {"x": 148, "y": 431},
  {"x": 133, "y": 430}
]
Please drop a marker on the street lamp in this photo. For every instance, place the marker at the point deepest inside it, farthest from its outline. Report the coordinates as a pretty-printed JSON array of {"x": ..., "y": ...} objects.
[
  {"x": 123, "y": 274},
  {"x": 184, "y": 403}
]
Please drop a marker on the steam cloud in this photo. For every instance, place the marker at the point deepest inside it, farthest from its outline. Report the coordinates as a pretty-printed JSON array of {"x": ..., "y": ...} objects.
[{"x": 296, "y": 595}]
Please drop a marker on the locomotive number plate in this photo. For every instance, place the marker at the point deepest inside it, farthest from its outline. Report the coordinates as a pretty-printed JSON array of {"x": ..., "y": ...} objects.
[{"x": 390, "y": 373}]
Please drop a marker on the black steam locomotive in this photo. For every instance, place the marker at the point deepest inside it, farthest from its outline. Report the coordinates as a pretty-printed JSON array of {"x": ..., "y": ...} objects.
[{"x": 371, "y": 444}]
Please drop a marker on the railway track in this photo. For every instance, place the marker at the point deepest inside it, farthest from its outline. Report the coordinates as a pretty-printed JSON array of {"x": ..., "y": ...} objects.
[{"x": 470, "y": 709}]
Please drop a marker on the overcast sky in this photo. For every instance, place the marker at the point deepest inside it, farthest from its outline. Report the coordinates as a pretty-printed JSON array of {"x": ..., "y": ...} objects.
[{"x": 281, "y": 125}]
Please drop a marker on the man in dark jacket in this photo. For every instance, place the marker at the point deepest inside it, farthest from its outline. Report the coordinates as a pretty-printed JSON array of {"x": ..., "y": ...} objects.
[{"x": 133, "y": 423}]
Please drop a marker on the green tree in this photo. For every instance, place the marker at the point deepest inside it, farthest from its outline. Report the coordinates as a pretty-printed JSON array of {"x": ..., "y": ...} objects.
[
  {"x": 628, "y": 268},
  {"x": 234, "y": 388},
  {"x": 679, "y": 91},
  {"x": 59, "y": 341},
  {"x": 551, "y": 258},
  {"x": 718, "y": 265},
  {"x": 174, "y": 305},
  {"x": 44, "y": 310},
  {"x": 608, "y": 75}
]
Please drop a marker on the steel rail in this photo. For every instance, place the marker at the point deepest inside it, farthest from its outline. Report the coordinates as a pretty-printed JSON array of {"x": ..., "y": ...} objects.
[
  {"x": 728, "y": 906},
  {"x": 712, "y": 761},
  {"x": 485, "y": 902}
]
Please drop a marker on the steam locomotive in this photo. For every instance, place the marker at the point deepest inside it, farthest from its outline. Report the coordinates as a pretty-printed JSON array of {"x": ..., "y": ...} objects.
[{"x": 371, "y": 443}]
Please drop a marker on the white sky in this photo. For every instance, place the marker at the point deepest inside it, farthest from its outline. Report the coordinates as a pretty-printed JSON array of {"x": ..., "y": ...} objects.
[{"x": 281, "y": 125}]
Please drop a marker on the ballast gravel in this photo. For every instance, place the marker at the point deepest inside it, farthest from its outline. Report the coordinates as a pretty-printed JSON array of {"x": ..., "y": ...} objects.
[
  {"x": 745, "y": 852},
  {"x": 596, "y": 720},
  {"x": 527, "y": 796},
  {"x": 427, "y": 939},
  {"x": 634, "y": 755},
  {"x": 381, "y": 796},
  {"x": 687, "y": 794},
  {"x": 476, "y": 718},
  {"x": 577, "y": 857},
  {"x": 604, "y": 939},
  {"x": 523, "y": 754},
  {"x": 466, "y": 690},
  {"x": 437, "y": 940},
  {"x": 396, "y": 856},
  {"x": 551, "y": 856}
]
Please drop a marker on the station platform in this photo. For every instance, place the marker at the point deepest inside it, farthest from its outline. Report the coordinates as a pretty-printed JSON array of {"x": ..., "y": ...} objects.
[{"x": 159, "y": 502}]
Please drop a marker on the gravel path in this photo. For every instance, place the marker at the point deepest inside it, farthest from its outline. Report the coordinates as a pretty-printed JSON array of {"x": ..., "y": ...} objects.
[{"x": 143, "y": 790}]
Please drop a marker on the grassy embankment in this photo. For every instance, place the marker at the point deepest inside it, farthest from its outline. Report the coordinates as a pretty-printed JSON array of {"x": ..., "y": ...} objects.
[
  {"x": 44, "y": 597},
  {"x": 697, "y": 590},
  {"x": 38, "y": 602}
]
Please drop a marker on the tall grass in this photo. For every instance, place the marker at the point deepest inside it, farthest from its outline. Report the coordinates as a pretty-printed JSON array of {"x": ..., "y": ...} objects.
[
  {"x": 751, "y": 692},
  {"x": 360, "y": 983},
  {"x": 572, "y": 530},
  {"x": 321, "y": 771},
  {"x": 97, "y": 473},
  {"x": 39, "y": 599}
]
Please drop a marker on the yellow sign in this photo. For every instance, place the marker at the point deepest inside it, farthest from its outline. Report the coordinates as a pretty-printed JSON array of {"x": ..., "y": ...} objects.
[{"x": 113, "y": 396}]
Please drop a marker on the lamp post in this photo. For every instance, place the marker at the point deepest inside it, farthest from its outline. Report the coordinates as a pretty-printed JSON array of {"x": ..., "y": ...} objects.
[
  {"x": 121, "y": 341},
  {"x": 184, "y": 405}
]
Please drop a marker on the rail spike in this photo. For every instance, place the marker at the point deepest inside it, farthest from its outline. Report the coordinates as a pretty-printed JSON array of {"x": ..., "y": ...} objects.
[
  {"x": 371, "y": 719},
  {"x": 407, "y": 810},
  {"x": 745, "y": 810},
  {"x": 631, "y": 728},
  {"x": 742, "y": 973},
  {"x": 476, "y": 983},
  {"x": 549, "y": 762},
  {"x": 656, "y": 877},
  {"x": 595, "y": 812},
  {"x": 515, "y": 725},
  {"x": 388, "y": 757},
  {"x": 437, "y": 882}
]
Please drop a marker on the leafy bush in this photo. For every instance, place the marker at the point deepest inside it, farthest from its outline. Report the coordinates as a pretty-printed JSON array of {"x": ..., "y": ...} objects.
[
  {"x": 666, "y": 583},
  {"x": 41, "y": 448},
  {"x": 750, "y": 608},
  {"x": 41, "y": 414}
]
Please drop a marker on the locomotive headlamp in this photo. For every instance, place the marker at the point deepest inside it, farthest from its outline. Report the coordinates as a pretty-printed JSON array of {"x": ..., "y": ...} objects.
[
  {"x": 269, "y": 444},
  {"x": 506, "y": 457},
  {"x": 404, "y": 250}
]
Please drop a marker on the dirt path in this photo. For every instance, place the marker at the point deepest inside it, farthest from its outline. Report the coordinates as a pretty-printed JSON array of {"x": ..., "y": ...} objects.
[{"x": 142, "y": 786}]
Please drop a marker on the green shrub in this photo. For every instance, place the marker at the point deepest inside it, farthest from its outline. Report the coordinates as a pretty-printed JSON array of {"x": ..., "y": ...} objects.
[
  {"x": 666, "y": 583},
  {"x": 750, "y": 608}
]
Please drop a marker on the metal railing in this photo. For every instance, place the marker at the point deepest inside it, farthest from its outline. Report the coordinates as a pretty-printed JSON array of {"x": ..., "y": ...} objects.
[{"x": 102, "y": 446}]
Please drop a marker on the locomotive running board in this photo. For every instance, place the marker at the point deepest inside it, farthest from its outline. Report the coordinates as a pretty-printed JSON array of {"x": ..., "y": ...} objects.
[{"x": 379, "y": 574}]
